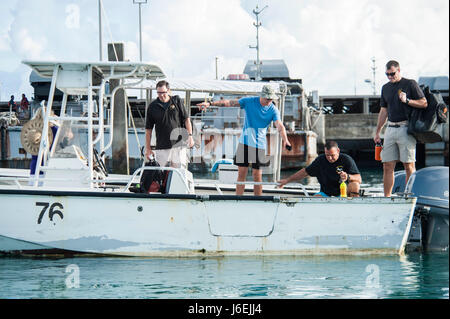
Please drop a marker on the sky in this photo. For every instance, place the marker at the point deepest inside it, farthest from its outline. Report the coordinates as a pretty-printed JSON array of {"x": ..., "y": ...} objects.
[{"x": 329, "y": 44}]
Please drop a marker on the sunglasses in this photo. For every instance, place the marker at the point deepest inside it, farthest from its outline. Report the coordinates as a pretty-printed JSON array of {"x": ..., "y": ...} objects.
[
  {"x": 391, "y": 74},
  {"x": 162, "y": 92}
]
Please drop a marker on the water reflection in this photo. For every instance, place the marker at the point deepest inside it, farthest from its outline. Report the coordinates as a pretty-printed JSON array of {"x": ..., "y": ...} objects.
[
  {"x": 322, "y": 277},
  {"x": 410, "y": 273}
]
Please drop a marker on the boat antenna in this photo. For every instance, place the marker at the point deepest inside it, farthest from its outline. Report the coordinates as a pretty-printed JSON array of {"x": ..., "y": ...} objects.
[{"x": 257, "y": 25}]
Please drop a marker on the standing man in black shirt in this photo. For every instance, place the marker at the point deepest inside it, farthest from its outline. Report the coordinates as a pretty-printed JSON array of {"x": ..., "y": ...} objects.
[
  {"x": 396, "y": 97},
  {"x": 330, "y": 169},
  {"x": 168, "y": 115}
]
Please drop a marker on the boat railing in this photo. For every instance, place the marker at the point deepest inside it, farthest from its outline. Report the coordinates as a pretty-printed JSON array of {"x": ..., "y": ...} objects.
[
  {"x": 15, "y": 180},
  {"x": 217, "y": 184},
  {"x": 305, "y": 192},
  {"x": 103, "y": 148},
  {"x": 209, "y": 117},
  {"x": 31, "y": 179}
]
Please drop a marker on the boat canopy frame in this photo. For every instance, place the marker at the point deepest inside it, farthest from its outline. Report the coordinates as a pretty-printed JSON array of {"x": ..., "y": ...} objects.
[{"x": 84, "y": 78}]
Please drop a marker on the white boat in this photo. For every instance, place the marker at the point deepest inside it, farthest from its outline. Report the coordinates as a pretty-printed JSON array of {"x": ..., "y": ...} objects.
[{"x": 74, "y": 207}]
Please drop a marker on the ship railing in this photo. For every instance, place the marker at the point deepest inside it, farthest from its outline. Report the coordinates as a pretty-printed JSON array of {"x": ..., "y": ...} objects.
[
  {"x": 271, "y": 183},
  {"x": 203, "y": 115},
  {"x": 219, "y": 190},
  {"x": 215, "y": 117},
  {"x": 31, "y": 179},
  {"x": 15, "y": 180}
]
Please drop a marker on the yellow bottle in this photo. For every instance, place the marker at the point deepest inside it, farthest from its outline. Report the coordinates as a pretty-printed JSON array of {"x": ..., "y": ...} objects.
[{"x": 343, "y": 188}]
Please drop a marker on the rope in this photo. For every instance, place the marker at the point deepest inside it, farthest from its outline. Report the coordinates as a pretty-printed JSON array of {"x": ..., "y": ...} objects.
[
  {"x": 109, "y": 29},
  {"x": 8, "y": 119}
]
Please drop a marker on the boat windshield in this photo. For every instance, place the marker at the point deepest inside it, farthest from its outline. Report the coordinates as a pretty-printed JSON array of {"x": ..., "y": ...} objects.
[{"x": 71, "y": 141}]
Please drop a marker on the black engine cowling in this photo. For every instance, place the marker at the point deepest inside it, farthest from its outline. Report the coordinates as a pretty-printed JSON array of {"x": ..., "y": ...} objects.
[{"x": 430, "y": 225}]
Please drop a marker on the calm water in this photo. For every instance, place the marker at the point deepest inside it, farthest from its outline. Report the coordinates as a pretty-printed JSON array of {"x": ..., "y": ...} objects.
[{"x": 393, "y": 277}]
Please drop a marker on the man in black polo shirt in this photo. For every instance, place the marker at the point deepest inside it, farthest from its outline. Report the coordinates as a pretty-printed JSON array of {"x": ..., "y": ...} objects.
[
  {"x": 330, "y": 169},
  {"x": 168, "y": 114},
  {"x": 397, "y": 96}
]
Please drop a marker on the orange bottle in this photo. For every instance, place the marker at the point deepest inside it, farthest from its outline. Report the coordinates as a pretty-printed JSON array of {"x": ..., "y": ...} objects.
[
  {"x": 378, "y": 148},
  {"x": 343, "y": 189}
]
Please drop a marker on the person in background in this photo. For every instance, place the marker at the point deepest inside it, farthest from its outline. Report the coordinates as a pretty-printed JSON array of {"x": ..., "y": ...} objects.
[
  {"x": 24, "y": 104},
  {"x": 12, "y": 104},
  {"x": 331, "y": 169},
  {"x": 259, "y": 113},
  {"x": 168, "y": 115},
  {"x": 396, "y": 97}
]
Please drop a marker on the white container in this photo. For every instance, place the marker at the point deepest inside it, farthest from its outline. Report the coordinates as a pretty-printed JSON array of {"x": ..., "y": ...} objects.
[{"x": 228, "y": 173}]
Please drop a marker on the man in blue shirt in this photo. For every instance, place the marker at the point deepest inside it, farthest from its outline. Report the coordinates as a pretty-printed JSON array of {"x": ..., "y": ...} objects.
[{"x": 259, "y": 113}]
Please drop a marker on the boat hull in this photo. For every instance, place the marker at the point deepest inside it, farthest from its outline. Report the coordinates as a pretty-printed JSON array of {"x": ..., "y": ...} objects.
[{"x": 128, "y": 224}]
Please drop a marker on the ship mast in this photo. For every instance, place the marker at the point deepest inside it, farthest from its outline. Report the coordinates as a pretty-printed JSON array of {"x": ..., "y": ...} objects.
[
  {"x": 100, "y": 44},
  {"x": 257, "y": 25},
  {"x": 372, "y": 82},
  {"x": 374, "y": 87}
]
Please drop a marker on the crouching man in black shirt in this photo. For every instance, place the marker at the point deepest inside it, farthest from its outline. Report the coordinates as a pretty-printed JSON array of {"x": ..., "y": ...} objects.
[{"x": 330, "y": 169}]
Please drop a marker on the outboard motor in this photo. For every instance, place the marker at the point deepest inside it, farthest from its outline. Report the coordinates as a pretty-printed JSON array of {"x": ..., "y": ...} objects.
[
  {"x": 430, "y": 225},
  {"x": 399, "y": 182}
]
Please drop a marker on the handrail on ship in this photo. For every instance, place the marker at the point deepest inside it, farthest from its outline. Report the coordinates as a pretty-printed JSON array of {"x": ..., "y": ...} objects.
[
  {"x": 271, "y": 183},
  {"x": 101, "y": 95},
  {"x": 111, "y": 119}
]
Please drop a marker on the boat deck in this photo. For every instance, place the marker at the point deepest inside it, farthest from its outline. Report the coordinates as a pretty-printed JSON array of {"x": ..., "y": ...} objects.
[{"x": 116, "y": 183}]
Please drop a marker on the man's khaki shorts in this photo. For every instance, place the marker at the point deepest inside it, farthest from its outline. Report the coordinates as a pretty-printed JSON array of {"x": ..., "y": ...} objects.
[
  {"x": 174, "y": 157},
  {"x": 398, "y": 145}
]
